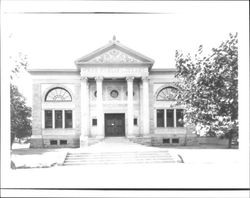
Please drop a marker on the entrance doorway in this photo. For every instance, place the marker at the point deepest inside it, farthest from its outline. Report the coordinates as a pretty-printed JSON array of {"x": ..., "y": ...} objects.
[{"x": 114, "y": 124}]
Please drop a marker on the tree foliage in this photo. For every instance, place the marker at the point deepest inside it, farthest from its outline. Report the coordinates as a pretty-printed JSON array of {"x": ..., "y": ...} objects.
[
  {"x": 209, "y": 87},
  {"x": 19, "y": 64},
  {"x": 20, "y": 112}
]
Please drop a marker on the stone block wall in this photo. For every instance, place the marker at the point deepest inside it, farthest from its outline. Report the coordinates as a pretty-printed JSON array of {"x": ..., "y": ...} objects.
[
  {"x": 77, "y": 114},
  {"x": 168, "y": 140},
  {"x": 161, "y": 140},
  {"x": 142, "y": 140},
  {"x": 212, "y": 141},
  {"x": 72, "y": 142},
  {"x": 151, "y": 107},
  {"x": 41, "y": 137},
  {"x": 36, "y": 138},
  {"x": 36, "y": 142}
]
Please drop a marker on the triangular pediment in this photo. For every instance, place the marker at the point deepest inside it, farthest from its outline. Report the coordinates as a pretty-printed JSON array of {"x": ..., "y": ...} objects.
[
  {"x": 114, "y": 53},
  {"x": 114, "y": 56}
]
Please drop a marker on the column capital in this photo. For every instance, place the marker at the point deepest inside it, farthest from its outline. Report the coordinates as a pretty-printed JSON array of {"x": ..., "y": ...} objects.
[
  {"x": 145, "y": 78},
  {"x": 130, "y": 78},
  {"x": 83, "y": 78},
  {"x": 99, "y": 78}
]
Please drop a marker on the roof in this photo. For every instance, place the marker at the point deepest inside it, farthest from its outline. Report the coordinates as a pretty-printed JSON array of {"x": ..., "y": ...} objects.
[{"x": 114, "y": 53}]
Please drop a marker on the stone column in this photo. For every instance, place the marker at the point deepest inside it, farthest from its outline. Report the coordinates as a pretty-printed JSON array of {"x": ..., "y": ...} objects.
[
  {"x": 145, "y": 85},
  {"x": 155, "y": 118},
  {"x": 84, "y": 111},
  {"x": 130, "y": 106},
  {"x": 99, "y": 107}
]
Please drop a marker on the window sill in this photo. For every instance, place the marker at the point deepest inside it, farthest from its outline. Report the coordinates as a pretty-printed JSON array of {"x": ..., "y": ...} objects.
[
  {"x": 165, "y": 127},
  {"x": 58, "y": 129}
]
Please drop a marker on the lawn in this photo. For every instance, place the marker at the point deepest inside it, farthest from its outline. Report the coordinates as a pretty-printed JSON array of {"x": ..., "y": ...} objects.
[{"x": 25, "y": 157}]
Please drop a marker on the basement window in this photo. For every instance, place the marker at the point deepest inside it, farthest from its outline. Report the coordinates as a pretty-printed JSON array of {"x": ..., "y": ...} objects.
[
  {"x": 165, "y": 140},
  {"x": 175, "y": 140},
  {"x": 63, "y": 142},
  {"x": 53, "y": 142}
]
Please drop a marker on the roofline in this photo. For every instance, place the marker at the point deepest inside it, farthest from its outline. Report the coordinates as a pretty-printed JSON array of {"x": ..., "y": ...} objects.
[
  {"x": 135, "y": 52},
  {"x": 115, "y": 64},
  {"x": 164, "y": 70},
  {"x": 93, "y": 52},
  {"x": 68, "y": 71}
]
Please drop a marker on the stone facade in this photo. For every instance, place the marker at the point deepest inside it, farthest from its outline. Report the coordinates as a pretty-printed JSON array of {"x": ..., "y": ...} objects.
[{"x": 114, "y": 80}]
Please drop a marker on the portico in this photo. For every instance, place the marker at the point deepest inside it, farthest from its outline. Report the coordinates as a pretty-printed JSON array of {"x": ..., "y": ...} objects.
[
  {"x": 114, "y": 63},
  {"x": 124, "y": 105}
]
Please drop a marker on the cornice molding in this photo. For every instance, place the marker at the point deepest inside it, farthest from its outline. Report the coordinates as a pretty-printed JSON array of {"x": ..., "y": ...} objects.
[
  {"x": 99, "y": 78},
  {"x": 130, "y": 78}
]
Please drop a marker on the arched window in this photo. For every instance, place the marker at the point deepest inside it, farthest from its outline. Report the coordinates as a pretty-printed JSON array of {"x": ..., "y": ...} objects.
[
  {"x": 168, "y": 116},
  {"x": 58, "y": 94},
  {"x": 167, "y": 94}
]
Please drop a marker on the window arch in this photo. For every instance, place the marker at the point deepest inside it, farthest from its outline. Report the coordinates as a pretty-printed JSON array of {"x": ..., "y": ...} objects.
[
  {"x": 58, "y": 94},
  {"x": 167, "y": 94}
]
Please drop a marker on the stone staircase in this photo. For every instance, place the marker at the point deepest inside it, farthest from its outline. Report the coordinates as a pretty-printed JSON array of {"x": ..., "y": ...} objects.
[
  {"x": 119, "y": 151},
  {"x": 103, "y": 158}
]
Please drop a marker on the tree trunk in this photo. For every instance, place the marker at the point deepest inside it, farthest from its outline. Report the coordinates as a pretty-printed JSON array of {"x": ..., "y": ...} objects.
[
  {"x": 12, "y": 138},
  {"x": 230, "y": 138}
]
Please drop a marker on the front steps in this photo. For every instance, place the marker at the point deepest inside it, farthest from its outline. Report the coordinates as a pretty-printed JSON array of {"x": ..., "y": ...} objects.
[{"x": 105, "y": 158}]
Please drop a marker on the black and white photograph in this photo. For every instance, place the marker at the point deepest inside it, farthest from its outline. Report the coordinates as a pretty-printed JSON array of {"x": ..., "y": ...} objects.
[{"x": 125, "y": 98}]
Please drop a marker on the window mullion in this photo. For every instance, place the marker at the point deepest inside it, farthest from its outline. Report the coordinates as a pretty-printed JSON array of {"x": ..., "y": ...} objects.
[
  {"x": 165, "y": 118},
  {"x": 63, "y": 119},
  {"x": 53, "y": 118},
  {"x": 175, "y": 118}
]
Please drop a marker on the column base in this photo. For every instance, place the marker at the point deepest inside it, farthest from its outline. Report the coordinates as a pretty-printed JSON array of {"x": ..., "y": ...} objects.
[
  {"x": 142, "y": 140},
  {"x": 147, "y": 135},
  {"x": 99, "y": 137},
  {"x": 83, "y": 141}
]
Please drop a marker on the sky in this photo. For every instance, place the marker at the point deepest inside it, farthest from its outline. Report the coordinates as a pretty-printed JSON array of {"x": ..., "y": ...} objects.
[{"x": 57, "y": 40}]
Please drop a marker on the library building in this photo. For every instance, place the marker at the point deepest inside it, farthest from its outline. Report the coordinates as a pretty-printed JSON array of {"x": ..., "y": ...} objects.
[{"x": 112, "y": 92}]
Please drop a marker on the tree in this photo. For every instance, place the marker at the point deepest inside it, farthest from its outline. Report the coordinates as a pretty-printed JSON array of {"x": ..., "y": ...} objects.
[
  {"x": 20, "y": 112},
  {"x": 209, "y": 88}
]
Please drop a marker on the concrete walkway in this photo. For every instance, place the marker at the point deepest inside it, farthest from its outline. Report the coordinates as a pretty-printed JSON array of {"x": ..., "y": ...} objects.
[{"x": 117, "y": 144}]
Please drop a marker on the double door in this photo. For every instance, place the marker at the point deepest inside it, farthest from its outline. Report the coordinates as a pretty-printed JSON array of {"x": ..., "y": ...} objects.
[{"x": 114, "y": 125}]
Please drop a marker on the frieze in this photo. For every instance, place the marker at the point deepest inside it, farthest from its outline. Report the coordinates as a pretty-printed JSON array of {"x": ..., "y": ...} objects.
[{"x": 114, "y": 71}]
